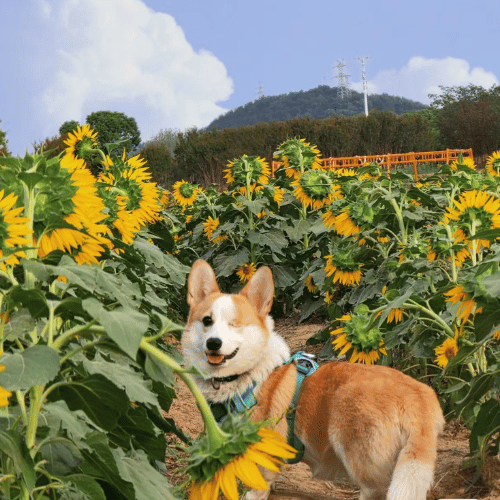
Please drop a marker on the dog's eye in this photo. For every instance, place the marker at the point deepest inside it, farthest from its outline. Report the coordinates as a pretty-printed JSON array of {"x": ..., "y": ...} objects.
[{"x": 207, "y": 321}]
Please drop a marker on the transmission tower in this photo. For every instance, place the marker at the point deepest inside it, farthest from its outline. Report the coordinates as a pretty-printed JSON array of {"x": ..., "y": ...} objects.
[
  {"x": 365, "y": 85},
  {"x": 343, "y": 89},
  {"x": 260, "y": 91}
]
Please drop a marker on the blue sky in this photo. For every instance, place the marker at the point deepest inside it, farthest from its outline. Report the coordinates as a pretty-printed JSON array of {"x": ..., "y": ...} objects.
[{"x": 180, "y": 64}]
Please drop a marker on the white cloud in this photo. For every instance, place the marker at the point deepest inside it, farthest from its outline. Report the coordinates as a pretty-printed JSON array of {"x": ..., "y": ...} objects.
[
  {"x": 422, "y": 76},
  {"x": 120, "y": 55}
]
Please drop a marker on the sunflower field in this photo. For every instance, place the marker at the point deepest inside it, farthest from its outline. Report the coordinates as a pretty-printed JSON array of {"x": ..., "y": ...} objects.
[{"x": 93, "y": 270}]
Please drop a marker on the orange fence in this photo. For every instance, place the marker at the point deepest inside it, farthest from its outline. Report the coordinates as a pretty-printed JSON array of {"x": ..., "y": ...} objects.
[{"x": 392, "y": 160}]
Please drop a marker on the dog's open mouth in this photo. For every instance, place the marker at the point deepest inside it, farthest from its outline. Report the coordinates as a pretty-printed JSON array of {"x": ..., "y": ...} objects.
[{"x": 219, "y": 359}]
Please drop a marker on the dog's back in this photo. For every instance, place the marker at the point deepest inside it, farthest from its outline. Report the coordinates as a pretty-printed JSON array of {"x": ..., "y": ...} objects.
[{"x": 373, "y": 424}]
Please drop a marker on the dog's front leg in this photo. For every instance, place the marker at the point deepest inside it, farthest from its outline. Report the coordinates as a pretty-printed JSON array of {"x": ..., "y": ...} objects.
[{"x": 269, "y": 476}]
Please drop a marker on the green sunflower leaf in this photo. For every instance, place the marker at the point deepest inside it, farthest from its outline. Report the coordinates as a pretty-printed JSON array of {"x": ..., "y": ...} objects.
[
  {"x": 124, "y": 325},
  {"x": 35, "y": 365}
]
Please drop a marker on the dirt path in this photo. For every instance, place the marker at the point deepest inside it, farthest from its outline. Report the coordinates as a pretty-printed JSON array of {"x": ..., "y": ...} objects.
[{"x": 296, "y": 483}]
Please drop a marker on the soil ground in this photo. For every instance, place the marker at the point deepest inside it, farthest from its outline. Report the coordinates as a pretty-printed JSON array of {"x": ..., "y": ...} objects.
[{"x": 451, "y": 480}]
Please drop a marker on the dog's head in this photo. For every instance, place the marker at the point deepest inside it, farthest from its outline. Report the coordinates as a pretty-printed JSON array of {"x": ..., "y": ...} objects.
[{"x": 226, "y": 333}]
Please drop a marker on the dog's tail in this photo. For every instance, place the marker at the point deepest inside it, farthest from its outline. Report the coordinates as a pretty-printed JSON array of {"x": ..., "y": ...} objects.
[{"x": 414, "y": 471}]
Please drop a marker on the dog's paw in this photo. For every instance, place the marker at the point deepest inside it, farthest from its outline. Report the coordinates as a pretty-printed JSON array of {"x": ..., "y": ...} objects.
[{"x": 257, "y": 495}]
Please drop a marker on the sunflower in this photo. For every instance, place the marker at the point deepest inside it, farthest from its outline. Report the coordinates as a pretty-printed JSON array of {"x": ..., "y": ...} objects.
[
  {"x": 366, "y": 341},
  {"x": 81, "y": 143},
  {"x": 4, "y": 393},
  {"x": 343, "y": 268},
  {"x": 82, "y": 208},
  {"x": 310, "y": 284},
  {"x": 474, "y": 209},
  {"x": 184, "y": 193},
  {"x": 458, "y": 295},
  {"x": 493, "y": 164},
  {"x": 279, "y": 195},
  {"x": 467, "y": 161},
  {"x": 248, "y": 173},
  {"x": 298, "y": 156},
  {"x": 14, "y": 230},
  {"x": 131, "y": 198},
  {"x": 315, "y": 189},
  {"x": 267, "y": 453},
  {"x": 447, "y": 350},
  {"x": 342, "y": 223},
  {"x": 395, "y": 315},
  {"x": 210, "y": 226},
  {"x": 246, "y": 271}
]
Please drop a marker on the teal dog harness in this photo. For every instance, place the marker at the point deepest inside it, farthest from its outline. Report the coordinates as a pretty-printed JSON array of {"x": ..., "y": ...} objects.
[{"x": 240, "y": 403}]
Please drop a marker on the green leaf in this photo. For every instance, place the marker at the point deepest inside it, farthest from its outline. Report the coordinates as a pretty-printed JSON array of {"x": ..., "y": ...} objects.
[
  {"x": 13, "y": 445},
  {"x": 298, "y": 229},
  {"x": 159, "y": 371},
  {"x": 486, "y": 323},
  {"x": 63, "y": 457},
  {"x": 32, "y": 299},
  {"x": 31, "y": 179},
  {"x": 87, "y": 486},
  {"x": 225, "y": 265},
  {"x": 480, "y": 385},
  {"x": 283, "y": 276},
  {"x": 73, "y": 422},
  {"x": 20, "y": 324},
  {"x": 148, "y": 482},
  {"x": 101, "y": 461},
  {"x": 98, "y": 397},
  {"x": 125, "y": 326},
  {"x": 132, "y": 382},
  {"x": 36, "y": 365},
  {"x": 154, "y": 255},
  {"x": 487, "y": 421},
  {"x": 273, "y": 239},
  {"x": 309, "y": 307}
]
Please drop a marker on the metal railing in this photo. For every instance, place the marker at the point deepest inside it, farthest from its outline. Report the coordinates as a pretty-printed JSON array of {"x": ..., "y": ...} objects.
[{"x": 392, "y": 160}]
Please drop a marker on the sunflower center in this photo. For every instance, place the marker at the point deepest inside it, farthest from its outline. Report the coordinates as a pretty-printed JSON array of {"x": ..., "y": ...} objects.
[{"x": 449, "y": 352}]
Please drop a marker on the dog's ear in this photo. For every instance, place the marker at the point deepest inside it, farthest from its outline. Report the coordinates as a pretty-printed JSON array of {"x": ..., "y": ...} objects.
[
  {"x": 260, "y": 291},
  {"x": 201, "y": 282}
]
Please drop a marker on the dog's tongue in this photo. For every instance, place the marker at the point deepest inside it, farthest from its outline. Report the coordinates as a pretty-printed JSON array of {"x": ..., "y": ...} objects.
[{"x": 215, "y": 360}]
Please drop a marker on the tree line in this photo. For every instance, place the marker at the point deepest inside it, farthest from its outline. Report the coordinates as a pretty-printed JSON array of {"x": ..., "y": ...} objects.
[{"x": 458, "y": 117}]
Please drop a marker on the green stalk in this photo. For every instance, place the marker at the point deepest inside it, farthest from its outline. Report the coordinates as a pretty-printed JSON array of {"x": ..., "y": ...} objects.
[
  {"x": 36, "y": 401},
  {"x": 89, "y": 327},
  {"x": 216, "y": 437},
  {"x": 454, "y": 274},
  {"x": 432, "y": 315}
]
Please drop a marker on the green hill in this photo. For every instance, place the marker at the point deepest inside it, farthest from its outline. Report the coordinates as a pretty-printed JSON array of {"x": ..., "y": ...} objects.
[{"x": 319, "y": 102}]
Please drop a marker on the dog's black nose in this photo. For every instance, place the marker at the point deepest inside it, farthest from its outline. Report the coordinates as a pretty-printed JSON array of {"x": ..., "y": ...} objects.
[{"x": 213, "y": 344}]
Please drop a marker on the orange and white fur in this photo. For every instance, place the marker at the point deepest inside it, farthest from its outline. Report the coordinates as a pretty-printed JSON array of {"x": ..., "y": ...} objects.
[{"x": 370, "y": 424}]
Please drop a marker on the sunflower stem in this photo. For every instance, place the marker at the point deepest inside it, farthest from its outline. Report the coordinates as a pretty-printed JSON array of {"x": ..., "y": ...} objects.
[
  {"x": 216, "y": 436},
  {"x": 36, "y": 401},
  {"x": 454, "y": 274},
  {"x": 432, "y": 315}
]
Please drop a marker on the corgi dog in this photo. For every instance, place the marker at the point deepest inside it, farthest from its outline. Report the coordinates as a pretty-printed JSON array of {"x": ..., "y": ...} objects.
[{"x": 372, "y": 425}]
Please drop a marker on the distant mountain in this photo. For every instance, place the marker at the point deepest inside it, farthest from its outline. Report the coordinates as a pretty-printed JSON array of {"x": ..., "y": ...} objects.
[{"x": 319, "y": 102}]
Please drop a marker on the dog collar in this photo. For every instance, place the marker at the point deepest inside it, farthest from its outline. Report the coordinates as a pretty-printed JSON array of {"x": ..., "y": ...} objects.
[{"x": 217, "y": 381}]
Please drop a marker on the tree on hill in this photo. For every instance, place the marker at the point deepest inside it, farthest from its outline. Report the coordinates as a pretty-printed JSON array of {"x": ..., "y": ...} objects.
[
  {"x": 320, "y": 102},
  {"x": 3, "y": 143},
  {"x": 113, "y": 127}
]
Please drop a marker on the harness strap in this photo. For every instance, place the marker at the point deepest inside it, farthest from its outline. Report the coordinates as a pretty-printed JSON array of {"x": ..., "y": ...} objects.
[
  {"x": 240, "y": 403},
  {"x": 305, "y": 366}
]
